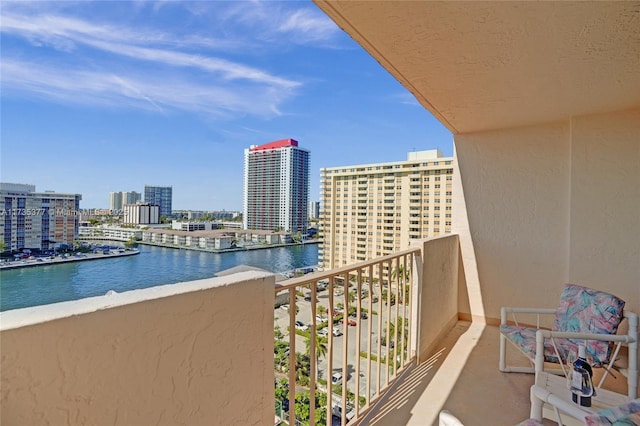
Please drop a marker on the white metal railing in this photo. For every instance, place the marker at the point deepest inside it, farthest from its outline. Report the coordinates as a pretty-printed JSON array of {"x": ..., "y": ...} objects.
[{"x": 368, "y": 343}]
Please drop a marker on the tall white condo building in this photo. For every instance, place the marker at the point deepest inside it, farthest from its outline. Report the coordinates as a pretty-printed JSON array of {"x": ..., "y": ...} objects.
[{"x": 276, "y": 187}]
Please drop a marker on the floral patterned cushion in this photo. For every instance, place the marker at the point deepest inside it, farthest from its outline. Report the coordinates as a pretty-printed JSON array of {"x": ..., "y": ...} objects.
[
  {"x": 583, "y": 310},
  {"x": 623, "y": 415},
  {"x": 525, "y": 339}
]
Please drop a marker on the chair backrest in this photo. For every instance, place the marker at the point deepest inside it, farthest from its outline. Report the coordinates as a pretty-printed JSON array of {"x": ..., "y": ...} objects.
[{"x": 584, "y": 310}]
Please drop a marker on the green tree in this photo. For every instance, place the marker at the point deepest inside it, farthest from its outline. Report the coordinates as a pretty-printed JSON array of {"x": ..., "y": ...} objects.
[
  {"x": 3, "y": 246},
  {"x": 278, "y": 333},
  {"x": 282, "y": 390},
  {"x": 303, "y": 407},
  {"x": 302, "y": 368},
  {"x": 388, "y": 298},
  {"x": 322, "y": 311},
  {"x": 132, "y": 242},
  {"x": 401, "y": 272},
  {"x": 321, "y": 350},
  {"x": 281, "y": 356}
]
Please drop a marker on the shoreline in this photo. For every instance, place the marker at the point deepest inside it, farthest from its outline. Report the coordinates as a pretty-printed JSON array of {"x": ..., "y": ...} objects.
[
  {"x": 28, "y": 263},
  {"x": 231, "y": 250}
]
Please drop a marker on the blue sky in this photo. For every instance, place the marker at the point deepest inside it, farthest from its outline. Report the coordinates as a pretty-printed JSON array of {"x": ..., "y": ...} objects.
[{"x": 110, "y": 96}]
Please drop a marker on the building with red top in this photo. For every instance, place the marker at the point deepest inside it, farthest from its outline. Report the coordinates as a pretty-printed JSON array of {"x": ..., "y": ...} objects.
[{"x": 276, "y": 186}]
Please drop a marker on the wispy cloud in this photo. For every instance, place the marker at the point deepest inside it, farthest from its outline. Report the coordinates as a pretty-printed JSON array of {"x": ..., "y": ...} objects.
[
  {"x": 277, "y": 22},
  {"x": 94, "y": 88},
  {"x": 220, "y": 86},
  {"x": 308, "y": 26}
]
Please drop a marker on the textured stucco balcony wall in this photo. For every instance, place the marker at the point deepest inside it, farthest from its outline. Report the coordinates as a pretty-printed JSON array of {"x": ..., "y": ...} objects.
[
  {"x": 550, "y": 204},
  {"x": 199, "y": 352},
  {"x": 439, "y": 291}
]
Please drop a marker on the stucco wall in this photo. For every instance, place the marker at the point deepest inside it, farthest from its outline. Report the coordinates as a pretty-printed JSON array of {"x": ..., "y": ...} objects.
[
  {"x": 605, "y": 206},
  {"x": 546, "y": 205},
  {"x": 190, "y": 353},
  {"x": 438, "y": 294}
]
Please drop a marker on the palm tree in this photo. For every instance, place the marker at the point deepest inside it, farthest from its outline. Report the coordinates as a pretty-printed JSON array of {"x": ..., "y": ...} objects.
[
  {"x": 321, "y": 350},
  {"x": 322, "y": 311},
  {"x": 401, "y": 272}
]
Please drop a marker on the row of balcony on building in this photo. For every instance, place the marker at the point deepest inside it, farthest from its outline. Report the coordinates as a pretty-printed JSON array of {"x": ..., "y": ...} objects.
[
  {"x": 209, "y": 240},
  {"x": 215, "y": 240}
]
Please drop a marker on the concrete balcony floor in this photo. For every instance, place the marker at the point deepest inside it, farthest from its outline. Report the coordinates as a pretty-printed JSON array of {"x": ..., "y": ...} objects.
[{"x": 461, "y": 376}]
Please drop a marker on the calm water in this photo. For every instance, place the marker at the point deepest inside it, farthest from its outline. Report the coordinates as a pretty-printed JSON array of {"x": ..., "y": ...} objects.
[{"x": 154, "y": 266}]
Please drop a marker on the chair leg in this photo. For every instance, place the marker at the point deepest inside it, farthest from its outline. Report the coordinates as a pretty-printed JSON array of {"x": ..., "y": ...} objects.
[
  {"x": 502, "y": 363},
  {"x": 503, "y": 354},
  {"x": 536, "y": 404}
]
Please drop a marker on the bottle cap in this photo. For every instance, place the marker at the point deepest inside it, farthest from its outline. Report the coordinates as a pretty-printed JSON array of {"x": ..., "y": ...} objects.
[{"x": 582, "y": 352}]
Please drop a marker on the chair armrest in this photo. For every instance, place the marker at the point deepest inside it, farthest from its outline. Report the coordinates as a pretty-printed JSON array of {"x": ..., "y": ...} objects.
[
  {"x": 547, "y": 334},
  {"x": 505, "y": 310}
]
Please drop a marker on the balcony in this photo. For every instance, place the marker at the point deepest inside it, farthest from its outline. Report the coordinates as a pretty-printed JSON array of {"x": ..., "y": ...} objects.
[
  {"x": 201, "y": 351},
  {"x": 545, "y": 192}
]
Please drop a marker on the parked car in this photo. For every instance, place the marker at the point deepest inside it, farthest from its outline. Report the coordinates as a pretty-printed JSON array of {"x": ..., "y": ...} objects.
[
  {"x": 351, "y": 322},
  {"x": 337, "y": 411},
  {"x": 336, "y": 378},
  {"x": 301, "y": 326},
  {"x": 336, "y": 332},
  {"x": 323, "y": 332},
  {"x": 284, "y": 307},
  {"x": 322, "y": 285}
]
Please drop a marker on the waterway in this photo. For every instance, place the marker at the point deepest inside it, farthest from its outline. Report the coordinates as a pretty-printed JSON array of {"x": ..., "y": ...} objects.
[{"x": 154, "y": 266}]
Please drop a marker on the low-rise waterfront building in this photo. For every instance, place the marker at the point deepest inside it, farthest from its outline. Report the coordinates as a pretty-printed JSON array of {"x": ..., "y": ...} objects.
[
  {"x": 194, "y": 226},
  {"x": 106, "y": 232},
  {"x": 216, "y": 239}
]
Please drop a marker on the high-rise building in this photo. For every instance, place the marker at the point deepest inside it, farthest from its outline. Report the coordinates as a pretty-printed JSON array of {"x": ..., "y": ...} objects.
[
  {"x": 115, "y": 201},
  {"x": 276, "y": 186},
  {"x": 141, "y": 214},
  {"x": 314, "y": 210},
  {"x": 131, "y": 197},
  {"x": 160, "y": 196},
  {"x": 372, "y": 210},
  {"x": 119, "y": 199},
  {"x": 37, "y": 220}
]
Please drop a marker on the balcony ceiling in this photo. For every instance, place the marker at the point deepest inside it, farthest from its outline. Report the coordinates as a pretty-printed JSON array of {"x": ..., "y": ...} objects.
[{"x": 484, "y": 65}]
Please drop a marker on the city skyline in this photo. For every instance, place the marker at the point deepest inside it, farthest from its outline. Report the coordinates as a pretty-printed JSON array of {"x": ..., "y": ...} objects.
[{"x": 172, "y": 92}]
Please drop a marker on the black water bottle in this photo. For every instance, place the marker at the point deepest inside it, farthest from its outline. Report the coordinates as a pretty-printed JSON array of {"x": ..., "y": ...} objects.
[{"x": 581, "y": 379}]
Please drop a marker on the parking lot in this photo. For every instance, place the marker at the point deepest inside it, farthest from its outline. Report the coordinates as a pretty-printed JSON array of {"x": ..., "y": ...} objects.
[{"x": 350, "y": 332}]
